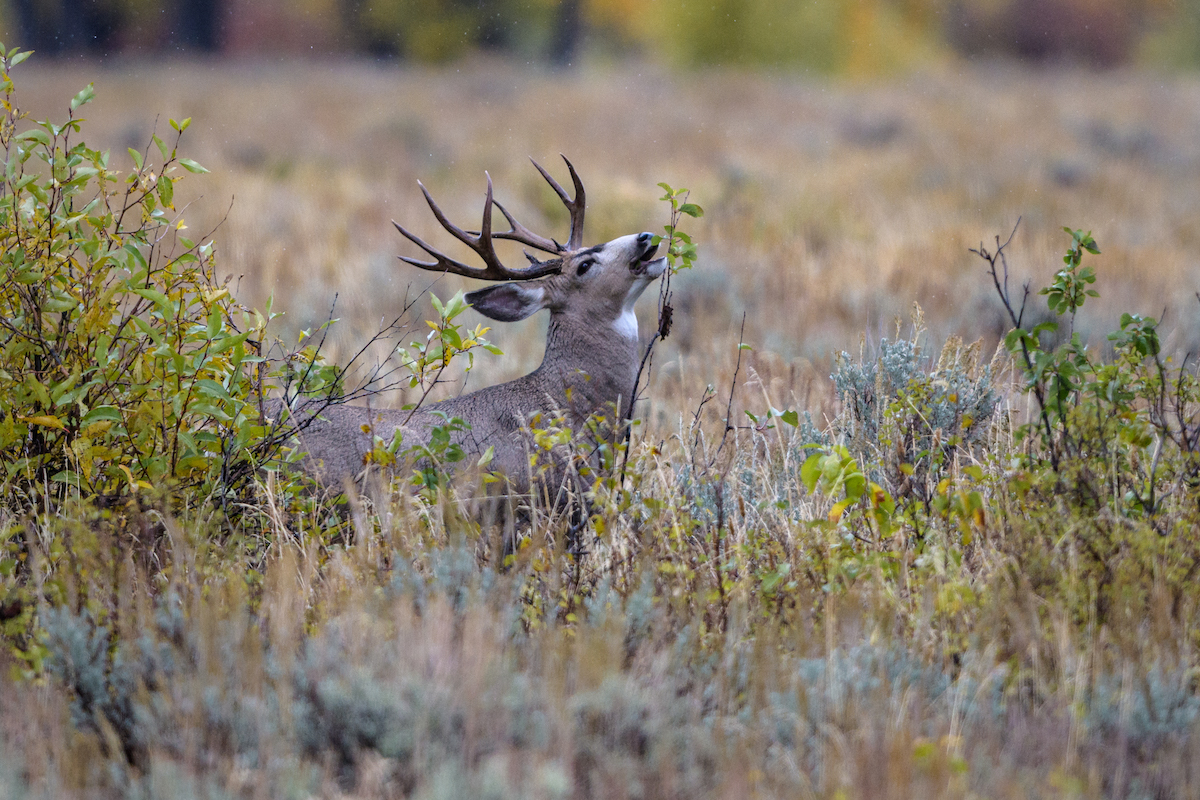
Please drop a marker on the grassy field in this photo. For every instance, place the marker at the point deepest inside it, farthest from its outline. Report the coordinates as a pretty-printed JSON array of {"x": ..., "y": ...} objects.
[
  {"x": 1020, "y": 621},
  {"x": 832, "y": 208}
]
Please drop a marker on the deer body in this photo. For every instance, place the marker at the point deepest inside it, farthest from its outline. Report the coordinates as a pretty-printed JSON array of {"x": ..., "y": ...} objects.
[{"x": 590, "y": 363}]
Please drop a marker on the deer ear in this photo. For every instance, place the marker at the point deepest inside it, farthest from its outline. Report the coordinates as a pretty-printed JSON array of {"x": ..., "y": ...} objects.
[{"x": 508, "y": 302}]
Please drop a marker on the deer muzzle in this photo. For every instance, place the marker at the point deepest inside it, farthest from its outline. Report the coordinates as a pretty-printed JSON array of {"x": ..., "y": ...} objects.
[{"x": 646, "y": 264}]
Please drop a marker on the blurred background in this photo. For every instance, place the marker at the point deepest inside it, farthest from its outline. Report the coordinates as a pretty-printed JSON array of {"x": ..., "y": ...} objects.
[
  {"x": 847, "y": 152},
  {"x": 862, "y": 37}
]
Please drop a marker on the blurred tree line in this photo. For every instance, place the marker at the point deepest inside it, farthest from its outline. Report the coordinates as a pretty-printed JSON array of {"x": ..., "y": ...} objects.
[{"x": 831, "y": 36}]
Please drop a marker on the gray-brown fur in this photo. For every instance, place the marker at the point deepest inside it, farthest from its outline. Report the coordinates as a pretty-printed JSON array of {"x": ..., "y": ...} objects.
[{"x": 590, "y": 364}]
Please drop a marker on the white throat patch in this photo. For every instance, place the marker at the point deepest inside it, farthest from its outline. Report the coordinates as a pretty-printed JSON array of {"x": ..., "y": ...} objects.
[{"x": 626, "y": 324}]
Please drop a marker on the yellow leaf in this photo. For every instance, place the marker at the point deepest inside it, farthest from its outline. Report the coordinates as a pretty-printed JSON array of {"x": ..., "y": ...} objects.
[
  {"x": 835, "y": 513},
  {"x": 45, "y": 421},
  {"x": 97, "y": 428},
  {"x": 487, "y": 457},
  {"x": 129, "y": 475}
]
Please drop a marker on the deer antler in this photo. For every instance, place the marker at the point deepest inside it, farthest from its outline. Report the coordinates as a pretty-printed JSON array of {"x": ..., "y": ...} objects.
[
  {"x": 519, "y": 233},
  {"x": 481, "y": 241}
]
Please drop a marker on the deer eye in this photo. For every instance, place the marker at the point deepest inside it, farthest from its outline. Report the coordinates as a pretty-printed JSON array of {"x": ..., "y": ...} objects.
[{"x": 584, "y": 267}]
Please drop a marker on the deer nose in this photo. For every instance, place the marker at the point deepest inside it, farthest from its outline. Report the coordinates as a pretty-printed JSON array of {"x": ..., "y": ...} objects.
[{"x": 644, "y": 237}]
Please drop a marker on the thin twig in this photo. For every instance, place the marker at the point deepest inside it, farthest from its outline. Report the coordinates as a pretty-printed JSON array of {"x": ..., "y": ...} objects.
[{"x": 732, "y": 389}]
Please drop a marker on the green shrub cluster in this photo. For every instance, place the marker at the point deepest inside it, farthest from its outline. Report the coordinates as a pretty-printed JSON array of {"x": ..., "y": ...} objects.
[{"x": 125, "y": 365}]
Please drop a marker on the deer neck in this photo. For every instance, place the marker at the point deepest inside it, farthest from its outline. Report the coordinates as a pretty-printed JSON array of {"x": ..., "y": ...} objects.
[{"x": 597, "y": 363}]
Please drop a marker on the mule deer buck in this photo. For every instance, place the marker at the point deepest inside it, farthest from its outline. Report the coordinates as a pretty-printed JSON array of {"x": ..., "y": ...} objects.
[{"x": 591, "y": 358}]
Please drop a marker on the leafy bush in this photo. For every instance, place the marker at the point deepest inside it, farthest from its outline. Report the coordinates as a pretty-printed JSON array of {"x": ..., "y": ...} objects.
[
  {"x": 1127, "y": 430},
  {"x": 125, "y": 366}
]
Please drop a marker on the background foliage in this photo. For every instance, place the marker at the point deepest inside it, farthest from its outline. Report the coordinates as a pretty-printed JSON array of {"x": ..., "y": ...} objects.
[{"x": 851, "y": 37}]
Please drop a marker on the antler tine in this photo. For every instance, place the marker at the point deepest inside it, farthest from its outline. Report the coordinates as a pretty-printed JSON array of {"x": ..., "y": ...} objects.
[
  {"x": 442, "y": 261},
  {"x": 519, "y": 233},
  {"x": 576, "y": 206},
  {"x": 481, "y": 243}
]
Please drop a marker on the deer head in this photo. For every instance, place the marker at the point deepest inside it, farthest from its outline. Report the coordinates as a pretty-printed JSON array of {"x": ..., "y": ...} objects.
[{"x": 588, "y": 290}]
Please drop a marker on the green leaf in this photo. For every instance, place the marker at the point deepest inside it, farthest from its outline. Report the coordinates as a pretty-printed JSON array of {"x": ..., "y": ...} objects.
[
  {"x": 162, "y": 147},
  {"x": 691, "y": 209},
  {"x": 209, "y": 410},
  {"x": 456, "y": 305},
  {"x": 156, "y": 297},
  {"x": 84, "y": 97},
  {"x": 63, "y": 386},
  {"x": 791, "y": 417},
  {"x": 810, "y": 471},
  {"x": 101, "y": 413},
  {"x": 166, "y": 191},
  {"x": 59, "y": 302},
  {"x": 192, "y": 166},
  {"x": 221, "y": 345},
  {"x": 137, "y": 158},
  {"x": 34, "y": 134},
  {"x": 214, "y": 322},
  {"x": 856, "y": 484},
  {"x": 211, "y": 388},
  {"x": 73, "y": 395}
]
